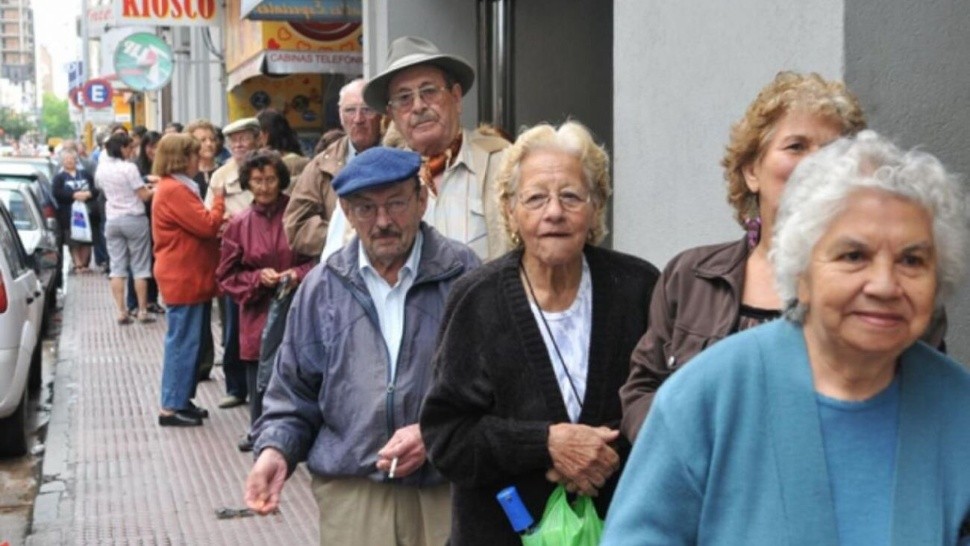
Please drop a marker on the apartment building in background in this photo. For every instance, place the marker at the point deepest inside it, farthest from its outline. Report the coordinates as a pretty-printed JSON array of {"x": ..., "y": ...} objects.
[{"x": 17, "y": 58}]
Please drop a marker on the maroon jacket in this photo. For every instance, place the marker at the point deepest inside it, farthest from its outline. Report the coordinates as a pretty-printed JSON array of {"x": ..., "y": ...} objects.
[{"x": 255, "y": 240}]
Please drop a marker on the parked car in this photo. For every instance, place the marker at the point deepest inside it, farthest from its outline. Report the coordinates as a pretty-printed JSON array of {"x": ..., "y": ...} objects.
[
  {"x": 21, "y": 314},
  {"x": 38, "y": 235},
  {"x": 45, "y": 165},
  {"x": 30, "y": 169},
  {"x": 31, "y": 175}
]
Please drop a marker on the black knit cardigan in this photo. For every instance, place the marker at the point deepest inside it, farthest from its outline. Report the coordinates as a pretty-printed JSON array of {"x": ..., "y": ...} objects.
[{"x": 485, "y": 421}]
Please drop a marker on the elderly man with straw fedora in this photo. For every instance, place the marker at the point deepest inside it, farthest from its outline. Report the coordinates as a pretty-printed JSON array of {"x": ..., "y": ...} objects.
[{"x": 421, "y": 89}]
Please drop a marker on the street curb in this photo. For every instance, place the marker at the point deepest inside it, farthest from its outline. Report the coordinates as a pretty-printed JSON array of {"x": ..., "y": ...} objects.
[{"x": 54, "y": 506}]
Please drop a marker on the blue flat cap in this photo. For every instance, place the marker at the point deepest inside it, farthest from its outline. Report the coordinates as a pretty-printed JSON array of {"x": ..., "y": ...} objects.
[{"x": 376, "y": 167}]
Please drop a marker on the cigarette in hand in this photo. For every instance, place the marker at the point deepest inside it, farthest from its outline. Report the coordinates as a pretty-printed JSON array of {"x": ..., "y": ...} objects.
[{"x": 393, "y": 468}]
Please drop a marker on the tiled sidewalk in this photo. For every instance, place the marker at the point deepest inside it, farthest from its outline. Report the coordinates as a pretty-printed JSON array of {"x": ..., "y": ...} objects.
[{"x": 113, "y": 476}]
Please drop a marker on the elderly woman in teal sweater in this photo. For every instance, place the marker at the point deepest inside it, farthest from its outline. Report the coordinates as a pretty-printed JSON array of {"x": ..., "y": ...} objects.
[{"x": 835, "y": 425}]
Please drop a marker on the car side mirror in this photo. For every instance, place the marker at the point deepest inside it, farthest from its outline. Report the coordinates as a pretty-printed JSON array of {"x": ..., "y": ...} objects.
[{"x": 32, "y": 263}]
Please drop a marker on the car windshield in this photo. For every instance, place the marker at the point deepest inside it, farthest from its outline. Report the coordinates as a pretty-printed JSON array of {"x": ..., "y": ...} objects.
[{"x": 19, "y": 211}]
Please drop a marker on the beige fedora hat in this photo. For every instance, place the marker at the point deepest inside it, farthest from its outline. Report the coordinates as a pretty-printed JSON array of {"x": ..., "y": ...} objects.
[{"x": 409, "y": 51}]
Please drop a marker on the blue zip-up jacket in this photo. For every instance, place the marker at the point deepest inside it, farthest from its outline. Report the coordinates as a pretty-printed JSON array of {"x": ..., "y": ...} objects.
[{"x": 331, "y": 400}]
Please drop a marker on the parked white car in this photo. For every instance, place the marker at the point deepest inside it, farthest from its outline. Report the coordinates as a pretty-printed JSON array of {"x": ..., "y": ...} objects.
[
  {"x": 21, "y": 315},
  {"x": 39, "y": 237}
]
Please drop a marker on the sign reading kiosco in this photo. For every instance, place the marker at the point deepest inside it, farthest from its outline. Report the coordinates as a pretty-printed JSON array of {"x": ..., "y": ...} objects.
[
  {"x": 144, "y": 62},
  {"x": 168, "y": 12}
]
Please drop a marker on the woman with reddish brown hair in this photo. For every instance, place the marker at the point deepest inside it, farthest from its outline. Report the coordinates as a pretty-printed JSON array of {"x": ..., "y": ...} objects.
[{"x": 186, "y": 256}]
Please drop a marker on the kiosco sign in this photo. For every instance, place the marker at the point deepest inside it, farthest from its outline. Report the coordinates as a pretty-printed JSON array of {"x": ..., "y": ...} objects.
[{"x": 168, "y": 12}]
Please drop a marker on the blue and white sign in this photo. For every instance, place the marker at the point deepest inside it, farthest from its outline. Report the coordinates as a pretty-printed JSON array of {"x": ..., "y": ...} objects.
[{"x": 75, "y": 74}]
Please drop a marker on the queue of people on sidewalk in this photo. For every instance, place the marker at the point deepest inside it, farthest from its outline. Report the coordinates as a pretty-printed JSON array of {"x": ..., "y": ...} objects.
[{"x": 430, "y": 322}]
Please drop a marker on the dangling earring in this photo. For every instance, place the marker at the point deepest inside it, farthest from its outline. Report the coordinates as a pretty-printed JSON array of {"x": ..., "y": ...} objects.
[
  {"x": 752, "y": 223},
  {"x": 753, "y": 228}
]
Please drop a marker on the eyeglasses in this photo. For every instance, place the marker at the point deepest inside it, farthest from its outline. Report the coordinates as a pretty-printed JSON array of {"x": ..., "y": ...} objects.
[
  {"x": 352, "y": 111},
  {"x": 367, "y": 211},
  {"x": 268, "y": 180},
  {"x": 568, "y": 200},
  {"x": 237, "y": 139},
  {"x": 404, "y": 100}
]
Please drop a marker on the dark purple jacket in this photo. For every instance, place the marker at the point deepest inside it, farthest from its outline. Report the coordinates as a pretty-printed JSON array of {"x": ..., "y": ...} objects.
[{"x": 255, "y": 240}]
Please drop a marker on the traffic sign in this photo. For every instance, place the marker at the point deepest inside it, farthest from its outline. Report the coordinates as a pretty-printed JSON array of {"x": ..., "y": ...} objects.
[
  {"x": 75, "y": 74},
  {"x": 76, "y": 94},
  {"x": 97, "y": 93}
]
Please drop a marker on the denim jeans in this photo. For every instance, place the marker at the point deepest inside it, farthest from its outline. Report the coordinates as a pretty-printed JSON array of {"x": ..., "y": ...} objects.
[
  {"x": 182, "y": 346},
  {"x": 234, "y": 369}
]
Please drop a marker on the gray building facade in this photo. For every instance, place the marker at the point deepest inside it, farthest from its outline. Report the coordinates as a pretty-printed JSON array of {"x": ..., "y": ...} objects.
[{"x": 661, "y": 83}]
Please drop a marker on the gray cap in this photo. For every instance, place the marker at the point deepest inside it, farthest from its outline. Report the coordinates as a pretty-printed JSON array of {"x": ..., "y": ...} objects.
[{"x": 240, "y": 125}]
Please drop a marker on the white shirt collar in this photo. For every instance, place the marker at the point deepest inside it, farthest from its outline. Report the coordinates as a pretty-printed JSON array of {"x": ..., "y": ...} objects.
[{"x": 409, "y": 268}]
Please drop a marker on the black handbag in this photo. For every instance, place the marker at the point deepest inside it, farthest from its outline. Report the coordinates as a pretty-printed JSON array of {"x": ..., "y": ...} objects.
[{"x": 273, "y": 334}]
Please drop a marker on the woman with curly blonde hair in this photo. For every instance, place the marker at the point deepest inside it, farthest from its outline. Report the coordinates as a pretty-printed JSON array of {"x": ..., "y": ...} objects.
[{"x": 710, "y": 292}]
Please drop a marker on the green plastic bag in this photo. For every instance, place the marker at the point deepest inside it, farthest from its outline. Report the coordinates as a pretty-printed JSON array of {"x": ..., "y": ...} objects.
[{"x": 565, "y": 525}]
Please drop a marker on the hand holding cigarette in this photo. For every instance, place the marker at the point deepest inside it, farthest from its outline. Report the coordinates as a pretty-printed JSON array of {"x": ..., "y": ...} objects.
[{"x": 403, "y": 454}]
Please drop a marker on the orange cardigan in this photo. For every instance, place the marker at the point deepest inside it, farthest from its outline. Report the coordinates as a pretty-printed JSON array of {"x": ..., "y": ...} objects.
[{"x": 186, "y": 239}]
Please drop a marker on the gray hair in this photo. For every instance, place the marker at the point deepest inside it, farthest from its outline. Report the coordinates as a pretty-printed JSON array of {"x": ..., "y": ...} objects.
[
  {"x": 817, "y": 192},
  {"x": 572, "y": 138},
  {"x": 358, "y": 82}
]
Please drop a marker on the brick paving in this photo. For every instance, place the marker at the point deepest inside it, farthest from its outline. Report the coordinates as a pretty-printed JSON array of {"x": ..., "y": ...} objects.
[{"x": 125, "y": 479}]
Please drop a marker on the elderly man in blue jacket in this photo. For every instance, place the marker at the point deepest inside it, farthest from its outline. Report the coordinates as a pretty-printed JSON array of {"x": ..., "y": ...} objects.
[{"x": 355, "y": 364}]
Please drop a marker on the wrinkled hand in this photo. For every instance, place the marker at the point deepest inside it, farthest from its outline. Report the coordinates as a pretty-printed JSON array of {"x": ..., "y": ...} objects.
[
  {"x": 290, "y": 277},
  {"x": 582, "y": 458},
  {"x": 265, "y": 482},
  {"x": 554, "y": 476},
  {"x": 269, "y": 276},
  {"x": 408, "y": 446}
]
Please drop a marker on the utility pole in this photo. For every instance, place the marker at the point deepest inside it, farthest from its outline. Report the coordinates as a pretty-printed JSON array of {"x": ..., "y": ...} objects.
[{"x": 85, "y": 71}]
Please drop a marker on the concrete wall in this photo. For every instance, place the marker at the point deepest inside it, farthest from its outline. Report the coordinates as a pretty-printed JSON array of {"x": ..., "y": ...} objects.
[
  {"x": 451, "y": 25},
  {"x": 907, "y": 61},
  {"x": 563, "y": 65},
  {"x": 683, "y": 73}
]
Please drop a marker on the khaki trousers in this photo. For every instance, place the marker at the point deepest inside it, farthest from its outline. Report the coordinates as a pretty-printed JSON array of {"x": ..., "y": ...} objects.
[{"x": 359, "y": 511}]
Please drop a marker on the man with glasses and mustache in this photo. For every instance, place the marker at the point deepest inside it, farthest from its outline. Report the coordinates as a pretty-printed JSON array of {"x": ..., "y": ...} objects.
[
  {"x": 312, "y": 200},
  {"x": 355, "y": 364},
  {"x": 421, "y": 89}
]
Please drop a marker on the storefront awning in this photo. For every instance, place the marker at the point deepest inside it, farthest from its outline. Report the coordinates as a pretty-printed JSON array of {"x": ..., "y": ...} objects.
[
  {"x": 248, "y": 69},
  {"x": 332, "y": 11},
  {"x": 277, "y": 62}
]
